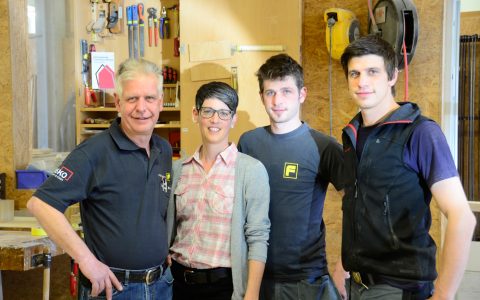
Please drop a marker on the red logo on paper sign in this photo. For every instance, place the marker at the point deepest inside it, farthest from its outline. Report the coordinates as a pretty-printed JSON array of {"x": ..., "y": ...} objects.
[{"x": 63, "y": 173}]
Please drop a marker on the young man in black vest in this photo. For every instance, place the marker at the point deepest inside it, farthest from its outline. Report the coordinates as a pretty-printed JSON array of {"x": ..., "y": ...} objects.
[{"x": 395, "y": 161}]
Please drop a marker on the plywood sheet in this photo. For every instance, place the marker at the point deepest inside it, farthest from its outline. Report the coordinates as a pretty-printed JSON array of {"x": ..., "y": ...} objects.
[
  {"x": 470, "y": 23},
  {"x": 205, "y": 51},
  {"x": 209, "y": 71}
]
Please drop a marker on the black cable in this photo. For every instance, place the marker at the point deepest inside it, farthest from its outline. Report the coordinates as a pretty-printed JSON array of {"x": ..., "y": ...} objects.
[{"x": 330, "y": 22}]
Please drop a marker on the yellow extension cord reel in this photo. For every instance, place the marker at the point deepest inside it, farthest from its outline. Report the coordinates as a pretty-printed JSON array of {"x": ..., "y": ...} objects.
[{"x": 342, "y": 29}]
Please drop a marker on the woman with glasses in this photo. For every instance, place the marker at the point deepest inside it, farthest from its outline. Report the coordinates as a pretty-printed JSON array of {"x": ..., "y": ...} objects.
[{"x": 218, "y": 211}]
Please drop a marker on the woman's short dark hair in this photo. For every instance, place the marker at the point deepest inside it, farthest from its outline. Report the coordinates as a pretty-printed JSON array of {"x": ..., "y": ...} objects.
[{"x": 218, "y": 90}]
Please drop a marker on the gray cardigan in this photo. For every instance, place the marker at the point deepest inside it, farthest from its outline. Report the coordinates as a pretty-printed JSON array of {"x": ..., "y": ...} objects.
[{"x": 250, "y": 223}]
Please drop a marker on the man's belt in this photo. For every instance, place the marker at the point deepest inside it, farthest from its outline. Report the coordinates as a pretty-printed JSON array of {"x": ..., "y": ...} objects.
[
  {"x": 366, "y": 279},
  {"x": 147, "y": 276},
  {"x": 413, "y": 289}
]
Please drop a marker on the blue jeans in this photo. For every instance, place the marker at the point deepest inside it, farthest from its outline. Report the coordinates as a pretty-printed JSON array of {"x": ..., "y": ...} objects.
[
  {"x": 320, "y": 289},
  {"x": 159, "y": 290}
]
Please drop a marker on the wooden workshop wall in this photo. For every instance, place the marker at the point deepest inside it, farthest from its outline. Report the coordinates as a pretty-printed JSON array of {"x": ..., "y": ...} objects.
[
  {"x": 14, "y": 125},
  {"x": 425, "y": 89},
  {"x": 6, "y": 136},
  {"x": 470, "y": 23},
  {"x": 12, "y": 133},
  {"x": 213, "y": 22},
  {"x": 424, "y": 86}
]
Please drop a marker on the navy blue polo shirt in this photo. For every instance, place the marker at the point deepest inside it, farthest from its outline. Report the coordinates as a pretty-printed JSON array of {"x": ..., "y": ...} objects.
[{"x": 123, "y": 196}]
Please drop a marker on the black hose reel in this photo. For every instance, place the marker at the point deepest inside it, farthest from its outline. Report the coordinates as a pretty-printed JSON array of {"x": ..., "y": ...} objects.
[{"x": 396, "y": 20}]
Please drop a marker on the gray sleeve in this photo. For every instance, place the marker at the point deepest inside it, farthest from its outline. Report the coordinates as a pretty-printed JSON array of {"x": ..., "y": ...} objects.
[
  {"x": 257, "y": 201},
  {"x": 171, "y": 209}
]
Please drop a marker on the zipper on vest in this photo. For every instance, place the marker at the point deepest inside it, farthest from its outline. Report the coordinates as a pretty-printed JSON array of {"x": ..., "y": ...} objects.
[
  {"x": 356, "y": 189},
  {"x": 355, "y": 199},
  {"x": 354, "y": 229},
  {"x": 386, "y": 212}
]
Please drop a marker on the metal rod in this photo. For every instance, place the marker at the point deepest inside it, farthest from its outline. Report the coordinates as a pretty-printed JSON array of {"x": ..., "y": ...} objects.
[
  {"x": 460, "y": 108},
  {"x": 469, "y": 117},
  {"x": 330, "y": 96},
  {"x": 475, "y": 122},
  {"x": 471, "y": 120},
  {"x": 467, "y": 125}
]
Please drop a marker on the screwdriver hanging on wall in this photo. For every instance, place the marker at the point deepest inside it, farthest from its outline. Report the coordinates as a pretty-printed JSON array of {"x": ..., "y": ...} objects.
[
  {"x": 130, "y": 31},
  {"x": 175, "y": 30},
  {"x": 85, "y": 71},
  {"x": 135, "y": 30},
  {"x": 164, "y": 24},
  {"x": 141, "y": 28}
]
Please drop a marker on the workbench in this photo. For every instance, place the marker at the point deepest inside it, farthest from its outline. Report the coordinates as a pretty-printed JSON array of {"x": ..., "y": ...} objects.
[{"x": 20, "y": 251}]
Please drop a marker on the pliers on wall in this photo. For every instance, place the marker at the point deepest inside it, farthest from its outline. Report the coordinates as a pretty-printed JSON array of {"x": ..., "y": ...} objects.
[{"x": 152, "y": 25}]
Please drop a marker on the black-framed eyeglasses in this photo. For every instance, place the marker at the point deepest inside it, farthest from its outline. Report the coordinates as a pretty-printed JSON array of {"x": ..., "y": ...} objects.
[{"x": 208, "y": 112}]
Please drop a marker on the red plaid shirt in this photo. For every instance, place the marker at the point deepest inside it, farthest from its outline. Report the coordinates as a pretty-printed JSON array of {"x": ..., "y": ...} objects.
[{"x": 204, "y": 203}]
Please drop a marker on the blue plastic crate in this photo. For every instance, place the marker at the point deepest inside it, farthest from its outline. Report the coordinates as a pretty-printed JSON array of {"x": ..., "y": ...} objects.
[{"x": 30, "y": 179}]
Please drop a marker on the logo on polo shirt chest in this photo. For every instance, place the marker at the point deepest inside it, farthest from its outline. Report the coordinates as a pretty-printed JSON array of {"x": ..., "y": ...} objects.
[
  {"x": 63, "y": 173},
  {"x": 165, "y": 180},
  {"x": 290, "y": 170}
]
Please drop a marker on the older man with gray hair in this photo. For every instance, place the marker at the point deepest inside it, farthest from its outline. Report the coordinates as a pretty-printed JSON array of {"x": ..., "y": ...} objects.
[{"x": 121, "y": 178}]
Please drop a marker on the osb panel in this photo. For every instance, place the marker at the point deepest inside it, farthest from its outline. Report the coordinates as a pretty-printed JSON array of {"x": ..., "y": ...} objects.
[
  {"x": 21, "y": 85},
  {"x": 470, "y": 23},
  {"x": 316, "y": 110},
  {"x": 14, "y": 145},
  {"x": 6, "y": 123},
  {"x": 424, "y": 87},
  {"x": 425, "y": 72}
]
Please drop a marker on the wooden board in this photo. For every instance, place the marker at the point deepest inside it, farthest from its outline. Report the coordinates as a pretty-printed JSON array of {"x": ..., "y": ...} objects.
[
  {"x": 20, "y": 223},
  {"x": 18, "y": 247}
]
